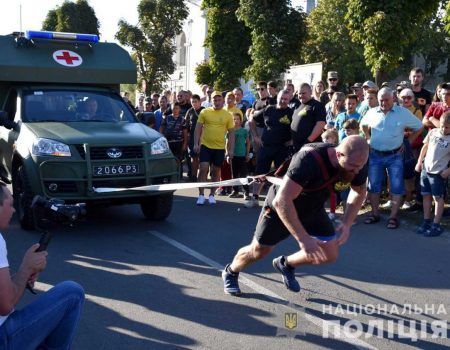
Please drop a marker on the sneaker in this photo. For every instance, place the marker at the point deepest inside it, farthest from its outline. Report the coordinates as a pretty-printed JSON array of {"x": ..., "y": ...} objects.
[
  {"x": 247, "y": 197},
  {"x": 406, "y": 205},
  {"x": 386, "y": 205},
  {"x": 426, "y": 225},
  {"x": 288, "y": 274},
  {"x": 252, "y": 203},
  {"x": 434, "y": 231},
  {"x": 211, "y": 199},
  {"x": 415, "y": 207},
  {"x": 230, "y": 282},
  {"x": 221, "y": 192},
  {"x": 235, "y": 194},
  {"x": 201, "y": 200}
]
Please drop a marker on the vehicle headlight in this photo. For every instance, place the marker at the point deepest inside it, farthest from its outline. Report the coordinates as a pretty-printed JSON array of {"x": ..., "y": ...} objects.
[
  {"x": 47, "y": 147},
  {"x": 160, "y": 146}
]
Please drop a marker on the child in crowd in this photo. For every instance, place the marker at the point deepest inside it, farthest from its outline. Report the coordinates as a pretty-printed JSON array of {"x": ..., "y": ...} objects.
[
  {"x": 331, "y": 136},
  {"x": 351, "y": 102},
  {"x": 241, "y": 155},
  {"x": 174, "y": 128},
  {"x": 433, "y": 167},
  {"x": 351, "y": 127}
]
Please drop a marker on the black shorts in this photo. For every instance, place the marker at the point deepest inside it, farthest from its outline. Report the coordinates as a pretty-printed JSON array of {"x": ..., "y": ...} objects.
[
  {"x": 212, "y": 156},
  {"x": 267, "y": 155},
  {"x": 270, "y": 230}
]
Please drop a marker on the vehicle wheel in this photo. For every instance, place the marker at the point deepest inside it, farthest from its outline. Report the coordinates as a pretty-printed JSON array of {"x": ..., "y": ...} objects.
[
  {"x": 22, "y": 199},
  {"x": 157, "y": 208}
]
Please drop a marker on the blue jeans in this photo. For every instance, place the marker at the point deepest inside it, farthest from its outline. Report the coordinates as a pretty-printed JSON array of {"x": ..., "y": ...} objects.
[
  {"x": 432, "y": 184},
  {"x": 378, "y": 164},
  {"x": 49, "y": 322}
]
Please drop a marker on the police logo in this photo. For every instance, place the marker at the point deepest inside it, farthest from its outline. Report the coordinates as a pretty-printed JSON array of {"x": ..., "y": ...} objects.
[
  {"x": 114, "y": 153},
  {"x": 290, "y": 320}
]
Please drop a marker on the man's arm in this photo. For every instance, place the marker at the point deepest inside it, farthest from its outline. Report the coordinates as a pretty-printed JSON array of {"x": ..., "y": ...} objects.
[
  {"x": 197, "y": 133},
  {"x": 11, "y": 289},
  {"x": 230, "y": 143},
  {"x": 317, "y": 131},
  {"x": 355, "y": 200}
]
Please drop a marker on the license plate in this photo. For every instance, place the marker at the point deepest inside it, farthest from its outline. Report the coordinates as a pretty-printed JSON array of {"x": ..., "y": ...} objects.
[{"x": 116, "y": 170}]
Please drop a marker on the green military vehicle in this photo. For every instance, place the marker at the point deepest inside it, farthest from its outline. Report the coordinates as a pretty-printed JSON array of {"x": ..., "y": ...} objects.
[{"x": 65, "y": 130}]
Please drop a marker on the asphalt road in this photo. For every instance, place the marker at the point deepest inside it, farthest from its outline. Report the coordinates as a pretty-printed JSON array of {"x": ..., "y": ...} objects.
[{"x": 158, "y": 286}]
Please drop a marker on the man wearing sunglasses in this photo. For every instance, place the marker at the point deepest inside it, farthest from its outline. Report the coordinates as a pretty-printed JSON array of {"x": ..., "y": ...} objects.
[{"x": 333, "y": 79}]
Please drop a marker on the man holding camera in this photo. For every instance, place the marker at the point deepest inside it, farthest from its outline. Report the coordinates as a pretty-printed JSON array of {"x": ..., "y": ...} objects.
[{"x": 50, "y": 321}]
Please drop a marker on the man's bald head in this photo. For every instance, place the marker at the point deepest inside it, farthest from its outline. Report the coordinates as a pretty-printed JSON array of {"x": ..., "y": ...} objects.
[{"x": 352, "y": 153}]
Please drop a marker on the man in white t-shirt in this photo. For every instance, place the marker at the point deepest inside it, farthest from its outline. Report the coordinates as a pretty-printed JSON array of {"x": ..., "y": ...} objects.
[{"x": 49, "y": 321}]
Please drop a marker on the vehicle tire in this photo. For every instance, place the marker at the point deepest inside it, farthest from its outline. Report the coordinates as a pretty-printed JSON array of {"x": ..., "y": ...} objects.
[
  {"x": 157, "y": 208},
  {"x": 22, "y": 199}
]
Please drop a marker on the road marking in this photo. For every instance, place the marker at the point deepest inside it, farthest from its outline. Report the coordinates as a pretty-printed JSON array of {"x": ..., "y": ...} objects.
[{"x": 358, "y": 343}]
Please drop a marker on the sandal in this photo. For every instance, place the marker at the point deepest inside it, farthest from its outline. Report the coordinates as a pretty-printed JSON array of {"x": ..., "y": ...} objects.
[
  {"x": 371, "y": 219},
  {"x": 392, "y": 223}
]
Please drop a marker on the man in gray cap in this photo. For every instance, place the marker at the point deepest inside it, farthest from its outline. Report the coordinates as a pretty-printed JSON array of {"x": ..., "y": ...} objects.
[{"x": 358, "y": 91}]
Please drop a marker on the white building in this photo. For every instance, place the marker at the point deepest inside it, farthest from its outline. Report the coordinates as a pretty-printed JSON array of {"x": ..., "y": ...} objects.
[{"x": 190, "y": 49}]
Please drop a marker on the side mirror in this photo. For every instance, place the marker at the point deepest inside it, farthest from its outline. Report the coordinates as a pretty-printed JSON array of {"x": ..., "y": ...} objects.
[{"x": 8, "y": 124}]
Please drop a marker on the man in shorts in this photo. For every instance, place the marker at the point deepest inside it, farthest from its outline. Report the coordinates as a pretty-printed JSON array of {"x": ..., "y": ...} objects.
[
  {"x": 296, "y": 208},
  {"x": 209, "y": 141}
]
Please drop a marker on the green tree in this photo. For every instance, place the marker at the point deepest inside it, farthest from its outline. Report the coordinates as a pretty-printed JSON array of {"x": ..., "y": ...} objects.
[
  {"x": 203, "y": 74},
  {"x": 328, "y": 41},
  {"x": 277, "y": 32},
  {"x": 387, "y": 29},
  {"x": 433, "y": 42},
  {"x": 228, "y": 41},
  {"x": 151, "y": 41},
  {"x": 72, "y": 17}
]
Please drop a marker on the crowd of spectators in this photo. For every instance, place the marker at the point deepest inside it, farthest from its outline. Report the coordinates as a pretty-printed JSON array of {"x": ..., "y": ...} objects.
[{"x": 406, "y": 126}]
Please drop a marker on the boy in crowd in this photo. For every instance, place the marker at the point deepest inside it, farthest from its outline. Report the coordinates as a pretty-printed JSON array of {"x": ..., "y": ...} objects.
[
  {"x": 433, "y": 167},
  {"x": 351, "y": 101},
  {"x": 240, "y": 158}
]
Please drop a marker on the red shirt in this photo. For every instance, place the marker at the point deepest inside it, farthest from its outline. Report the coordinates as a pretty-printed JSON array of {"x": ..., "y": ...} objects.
[{"x": 436, "y": 110}]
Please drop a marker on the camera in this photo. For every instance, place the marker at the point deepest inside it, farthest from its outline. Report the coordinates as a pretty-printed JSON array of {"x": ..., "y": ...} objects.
[{"x": 56, "y": 211}]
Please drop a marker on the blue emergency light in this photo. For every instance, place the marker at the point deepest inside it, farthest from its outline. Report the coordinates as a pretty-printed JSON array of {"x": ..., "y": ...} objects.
[{"x": 41, "y": 34}]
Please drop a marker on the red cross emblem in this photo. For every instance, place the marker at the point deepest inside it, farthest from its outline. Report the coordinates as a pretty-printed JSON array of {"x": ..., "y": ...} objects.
[{"x": 67, "y": 58}]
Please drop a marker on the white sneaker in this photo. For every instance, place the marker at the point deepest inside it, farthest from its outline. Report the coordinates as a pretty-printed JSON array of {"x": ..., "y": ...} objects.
[
  {"x": 406, "y": 205},
  {"x": 211, "y": 199},
  {"x": 386, "y": 205},
  {"x": 201, "y": 200},
  {"x": 252, "y": 203}
]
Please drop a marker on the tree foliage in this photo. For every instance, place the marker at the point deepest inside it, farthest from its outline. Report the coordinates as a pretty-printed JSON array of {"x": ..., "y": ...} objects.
[
  {"x": 228, "y": 41},
  {"x": 72, "y": 17},
  {"x": 433, "y": 42},
  {"x": 277, "y": 32},
  {"x": 328, "y": 41},
  {"x": 152, "y": 39},
  {"x": 203, "y": 74},
  {"x": 386, "y": 29}
]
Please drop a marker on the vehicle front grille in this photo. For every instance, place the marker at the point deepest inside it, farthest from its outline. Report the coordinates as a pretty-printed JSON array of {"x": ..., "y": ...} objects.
[{"x": 100, "y": 152}]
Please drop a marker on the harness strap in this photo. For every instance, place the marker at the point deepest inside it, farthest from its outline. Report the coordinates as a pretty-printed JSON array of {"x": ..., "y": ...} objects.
[{"x": 328, "y": 181}]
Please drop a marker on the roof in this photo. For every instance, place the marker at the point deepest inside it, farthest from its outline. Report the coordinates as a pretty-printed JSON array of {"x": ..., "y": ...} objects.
[{"x": 101, "y": 63}]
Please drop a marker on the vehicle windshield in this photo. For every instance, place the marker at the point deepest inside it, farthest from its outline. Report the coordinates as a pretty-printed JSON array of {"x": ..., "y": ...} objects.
[{"x": 74, "y": 106}]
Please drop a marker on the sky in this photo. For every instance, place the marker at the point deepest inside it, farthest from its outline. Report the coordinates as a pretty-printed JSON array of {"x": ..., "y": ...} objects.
[{"x": 108, "y": 12}]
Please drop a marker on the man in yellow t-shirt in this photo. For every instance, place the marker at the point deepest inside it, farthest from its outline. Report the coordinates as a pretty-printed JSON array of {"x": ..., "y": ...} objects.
[{"x": 209, "y": 140}]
